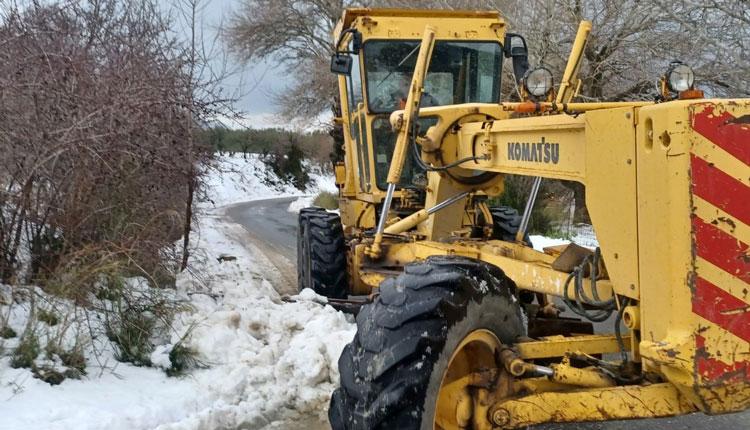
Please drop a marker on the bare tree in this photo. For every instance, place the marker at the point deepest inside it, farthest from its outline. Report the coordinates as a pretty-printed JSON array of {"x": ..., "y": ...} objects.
[
  {"x": 295, "y": 35},
  {"x": 97, "y": 116},
  {"x": 716, "y": 41}
]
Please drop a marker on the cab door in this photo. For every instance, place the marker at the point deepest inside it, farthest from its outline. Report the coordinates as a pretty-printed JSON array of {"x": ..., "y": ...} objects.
[{"x": 358, "y": 125}]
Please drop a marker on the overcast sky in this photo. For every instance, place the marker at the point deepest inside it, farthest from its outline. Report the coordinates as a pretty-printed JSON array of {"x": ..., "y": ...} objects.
[{"x": 254, "y": 83}]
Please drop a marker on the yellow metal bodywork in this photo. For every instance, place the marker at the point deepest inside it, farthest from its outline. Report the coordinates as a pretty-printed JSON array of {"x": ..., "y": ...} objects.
[
  {"x": 558, "y": 346},
  {"x": 570, "y": 81},
  {"x": 654, "y": 207},
  {"x": 409, "y": 116},
  {"x": 644, "y": 195},
  {"x": 597, "y": 404},
  {"x": 529, "y": 269},
  {"x": 395, "y": 24}
]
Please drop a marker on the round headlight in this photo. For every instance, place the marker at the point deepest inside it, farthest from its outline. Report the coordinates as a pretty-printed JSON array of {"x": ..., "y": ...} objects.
[
  {"x": 538, "y": 82},
  {"x": 680, "y": 77}
]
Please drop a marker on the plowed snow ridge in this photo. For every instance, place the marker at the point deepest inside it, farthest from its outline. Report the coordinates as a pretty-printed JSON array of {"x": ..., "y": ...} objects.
[{"x": 267, "y": 361}]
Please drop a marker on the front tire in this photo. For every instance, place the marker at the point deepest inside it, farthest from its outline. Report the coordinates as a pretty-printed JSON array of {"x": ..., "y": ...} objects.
[
  {"x": 391, "y": 373},
  {"x": 505, "y": 224},
  {"x": 321, "y": 253}
]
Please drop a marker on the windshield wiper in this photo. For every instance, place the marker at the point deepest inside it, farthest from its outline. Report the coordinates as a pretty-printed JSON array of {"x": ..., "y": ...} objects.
[{"x": 416, "y": 48}]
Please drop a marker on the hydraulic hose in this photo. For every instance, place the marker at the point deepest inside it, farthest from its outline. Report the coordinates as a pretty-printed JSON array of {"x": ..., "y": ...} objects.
[{"x": 578, "y": 306}]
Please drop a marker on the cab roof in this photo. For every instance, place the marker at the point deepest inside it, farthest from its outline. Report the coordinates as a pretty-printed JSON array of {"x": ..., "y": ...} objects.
[
  {"x": 397, "y": 20},
  {"x": 351, "y": 14}
]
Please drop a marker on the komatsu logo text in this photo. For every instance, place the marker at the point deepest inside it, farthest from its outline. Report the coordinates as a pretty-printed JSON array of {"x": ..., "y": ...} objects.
[{"x": 538, "y": 152}]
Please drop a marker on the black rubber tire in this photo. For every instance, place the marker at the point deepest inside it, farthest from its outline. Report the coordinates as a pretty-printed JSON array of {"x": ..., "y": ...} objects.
[
  {"x": 321, "y": 253},
  {"x": 392, "y": 370},
  {"x": 505, "y": 224}
]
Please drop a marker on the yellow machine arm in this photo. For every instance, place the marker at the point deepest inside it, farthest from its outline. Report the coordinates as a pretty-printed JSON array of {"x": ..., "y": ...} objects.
[
  {"x": 571, "y": 83},
  {"x": 407, "y": 119}
]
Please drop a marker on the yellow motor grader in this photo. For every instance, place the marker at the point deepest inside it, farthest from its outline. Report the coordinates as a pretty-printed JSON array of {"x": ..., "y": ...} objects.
[{"x": 463, "y": 326}]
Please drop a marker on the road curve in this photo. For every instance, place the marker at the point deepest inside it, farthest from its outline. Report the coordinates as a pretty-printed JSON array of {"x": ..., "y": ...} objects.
[{"x": 274, "y": 230}]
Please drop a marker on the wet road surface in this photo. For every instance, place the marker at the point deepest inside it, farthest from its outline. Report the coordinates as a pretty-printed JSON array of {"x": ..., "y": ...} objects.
[{"x": 273, "y": 230}]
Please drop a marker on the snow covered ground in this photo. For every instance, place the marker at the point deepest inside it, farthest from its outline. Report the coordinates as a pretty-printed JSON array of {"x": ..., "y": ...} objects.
[
  {"x": 582, "y": 234},
  {"x": 238, "y": 179},
  {"x": 266, "y": 362}
]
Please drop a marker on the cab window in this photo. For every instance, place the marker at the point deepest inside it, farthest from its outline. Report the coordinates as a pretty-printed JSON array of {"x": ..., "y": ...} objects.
[{"x": 459, "y": 72}]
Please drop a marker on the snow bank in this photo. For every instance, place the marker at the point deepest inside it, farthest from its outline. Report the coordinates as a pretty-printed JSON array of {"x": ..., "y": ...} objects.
[
  {"x": 266, "y": 362},
  {"x": 241, "y": 179},
  {"x": 300, "y": 203},
  {"x": 271, "y": 360}
]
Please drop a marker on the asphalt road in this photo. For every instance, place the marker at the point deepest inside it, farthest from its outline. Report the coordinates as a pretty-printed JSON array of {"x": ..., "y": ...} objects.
[
  {"x": 271, "y": 222},
  {"x": 274, "y": 231}
]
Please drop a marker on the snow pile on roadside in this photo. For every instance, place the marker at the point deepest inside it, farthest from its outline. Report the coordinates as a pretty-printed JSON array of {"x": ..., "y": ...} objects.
[
  {"x": 242, "y": 179},
  {"x": 265, "y": 362},
  {"x": 271, "y": 361},
  {"x": 300, "y": 203}
]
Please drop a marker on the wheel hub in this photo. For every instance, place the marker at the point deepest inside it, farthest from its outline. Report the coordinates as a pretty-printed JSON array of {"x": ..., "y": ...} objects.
[{"x": 471, "y": 382}]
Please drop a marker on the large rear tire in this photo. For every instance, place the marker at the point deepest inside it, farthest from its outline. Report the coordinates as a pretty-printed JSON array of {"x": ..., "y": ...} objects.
[
  {"x": 392, "y": 372},
  {"x": 321, "y": 253}
]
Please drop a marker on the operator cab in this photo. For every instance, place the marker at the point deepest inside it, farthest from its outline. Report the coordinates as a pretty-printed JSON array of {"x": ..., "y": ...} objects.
[
  {"x": 460, "y": 72},
  {"x": 465, "y": 67}
]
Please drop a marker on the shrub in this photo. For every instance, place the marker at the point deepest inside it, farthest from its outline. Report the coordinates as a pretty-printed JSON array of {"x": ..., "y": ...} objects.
[
  {"x": 49, "y": 375},
  {"x": 182, "y": 358},
  {"x": 47, "y": 316},
  {"x": 288, "y": 164},
  {"x": 546, "y": 217},
  {"x": 26, "y": 352},
  {"x": 110, "y": 288},
  {"x": 72, "y": 358},
  {"x": 118, "y": 184},
  {"x": 6, "y": 332},
  {"x": 130, "y": 333},
  {"x": 326, "y": 200}
]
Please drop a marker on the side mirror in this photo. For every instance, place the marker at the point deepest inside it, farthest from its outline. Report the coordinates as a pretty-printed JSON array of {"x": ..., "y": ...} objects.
[
  {"x": 515, "y": 48},
  {"x": 341, "y": 64}
]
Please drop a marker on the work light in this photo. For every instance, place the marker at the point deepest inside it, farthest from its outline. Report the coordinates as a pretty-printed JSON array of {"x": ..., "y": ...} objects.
[
  {"x": 538, "y": 81},
  {"x": 680, "y": 77}
]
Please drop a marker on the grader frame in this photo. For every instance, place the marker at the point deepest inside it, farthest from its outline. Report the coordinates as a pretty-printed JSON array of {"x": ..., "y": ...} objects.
[{"x": 668, "y": 192}]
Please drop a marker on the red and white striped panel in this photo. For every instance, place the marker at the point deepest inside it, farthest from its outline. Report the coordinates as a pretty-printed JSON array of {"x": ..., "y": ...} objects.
[{"x": 720, "y": 185}]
